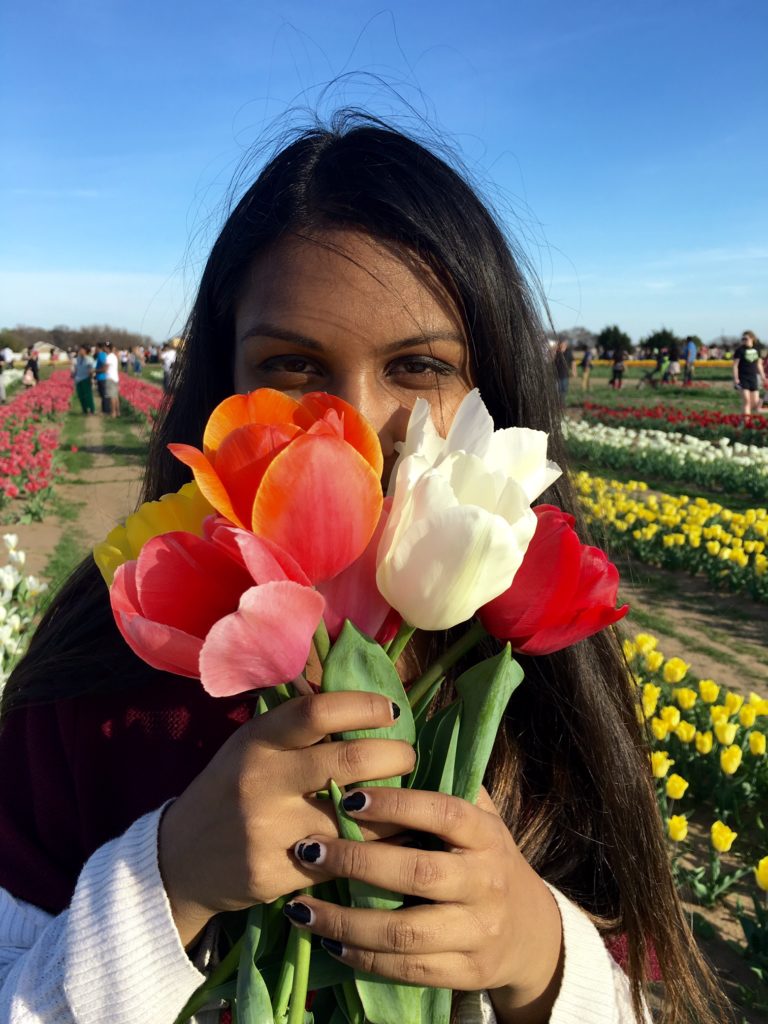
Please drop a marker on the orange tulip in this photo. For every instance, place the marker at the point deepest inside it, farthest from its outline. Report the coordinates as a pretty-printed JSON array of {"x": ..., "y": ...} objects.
[{"x": 305, "y": 474}]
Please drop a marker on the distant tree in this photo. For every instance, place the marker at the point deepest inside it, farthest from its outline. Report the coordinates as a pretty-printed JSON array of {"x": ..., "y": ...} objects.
[
  {"x": 22, "y": 336},
  {"x": 611, "y": 340},
  {"x": 659, "y": 340}
]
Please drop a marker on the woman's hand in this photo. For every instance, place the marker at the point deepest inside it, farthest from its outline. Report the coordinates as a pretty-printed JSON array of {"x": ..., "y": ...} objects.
[
  {"x": 227, "y": 841},
  {"x": 490, "y": 922}
]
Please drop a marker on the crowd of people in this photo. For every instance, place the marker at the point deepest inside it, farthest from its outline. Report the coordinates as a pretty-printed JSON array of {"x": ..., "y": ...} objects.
[{"x": 672, "y": 364}]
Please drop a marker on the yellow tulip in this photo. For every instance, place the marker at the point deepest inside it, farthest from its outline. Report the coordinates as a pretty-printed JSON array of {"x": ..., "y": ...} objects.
[
  {"x": 630, "y": 650},
  {"x": 654, "y": 660},
  {"x": 676, "y": 786},
  {"x": 722, "y": 837},
  {"x": 757, "y": 743},
  {"x": 685, "y": 697},
  {"x": 685, "y": 732},
  {"x": 675, "y": 670},
  {"x": 733, "y": 702},
  {"x": 761, "y": 873},
  {"x": 760, "y": 704},
  {"x": 713, "y": 547},
  {"x": 670, "y": 715},
  {"x": 730, "y": 759},
  {"x": 651, "y": 695},
  {"x": 704, "y": 742},
  {"x": 725, "y": 732},
  {"x": 718, "y": 713},
  {"x": 660, "y": 763},
  {"x": 708, "y": 690},
  {"x": 645, "y": 643},
  {"x": 677, "y": 828},
  {"x": 659, "y": 728},
  {"x": 747, "y": 716}
]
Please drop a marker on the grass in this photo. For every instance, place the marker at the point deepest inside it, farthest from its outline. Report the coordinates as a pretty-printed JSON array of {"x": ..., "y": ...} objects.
[
  {"x": 719, "y": 395},
  {"x": 67, "y": 554},
  {"x": 122, "y": 443}
]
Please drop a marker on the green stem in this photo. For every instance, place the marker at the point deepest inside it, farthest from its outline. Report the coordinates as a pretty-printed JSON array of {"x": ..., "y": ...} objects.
[
  {"x": 221, "y": 973},
  {"x": 285, "y": 981},
  {"x": 438, "y": 668},
  {"x": 322, "y": 642},
  {"x": 397, "y": 646},
  {"x": 300, "y": 975}
]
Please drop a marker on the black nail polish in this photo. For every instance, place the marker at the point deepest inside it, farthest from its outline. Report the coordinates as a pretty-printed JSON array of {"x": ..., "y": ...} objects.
[
  {"x": 354, "y": 801},
  {"x": 310, "y": 853},
  {"x": 332, "y": 946},
  {"x": 395, "y": 710},
  {"x": 298, "y": 912}
]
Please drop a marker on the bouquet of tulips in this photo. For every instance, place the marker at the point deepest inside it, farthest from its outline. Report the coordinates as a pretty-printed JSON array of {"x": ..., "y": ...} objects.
[{"x": 285, "y": 542}]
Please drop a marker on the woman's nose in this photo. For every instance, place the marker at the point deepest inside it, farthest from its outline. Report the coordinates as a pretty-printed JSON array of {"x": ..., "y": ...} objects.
[{"x": 384, "y": 411}]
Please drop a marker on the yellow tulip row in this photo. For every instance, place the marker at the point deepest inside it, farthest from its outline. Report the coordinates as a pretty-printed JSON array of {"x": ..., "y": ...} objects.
[{"x": 679, "y": 532}]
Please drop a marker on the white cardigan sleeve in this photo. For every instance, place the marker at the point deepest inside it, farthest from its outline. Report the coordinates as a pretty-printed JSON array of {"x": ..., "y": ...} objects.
[{"x": 114, "y": 955}]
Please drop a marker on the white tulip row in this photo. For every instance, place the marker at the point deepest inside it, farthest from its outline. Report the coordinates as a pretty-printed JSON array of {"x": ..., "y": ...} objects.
[
  {"x": 682, "y": 449},
  {"x": 19, "y": 601}
]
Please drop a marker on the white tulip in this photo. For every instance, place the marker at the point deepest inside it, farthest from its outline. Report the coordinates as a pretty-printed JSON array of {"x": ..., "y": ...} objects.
[
  {"x": 18, "y": 557},
  {"x": 11, "y": 540},
  {"x": 461, "y": 519}
]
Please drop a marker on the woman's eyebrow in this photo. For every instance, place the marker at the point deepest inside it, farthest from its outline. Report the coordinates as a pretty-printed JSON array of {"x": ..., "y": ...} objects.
[{"x": 267, "y": 330}]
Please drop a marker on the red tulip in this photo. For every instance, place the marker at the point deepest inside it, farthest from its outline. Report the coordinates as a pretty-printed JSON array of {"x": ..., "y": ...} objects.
[
  {"x": 563, "y": 592},
  {"x": 229, "y": 608},
  {"x": 306, "y": 475}
]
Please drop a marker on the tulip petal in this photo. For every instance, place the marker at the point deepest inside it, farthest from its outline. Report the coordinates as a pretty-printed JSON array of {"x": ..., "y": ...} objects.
[
  {"x": 207, "y": 479},
  {"x": 265, "y": 561},
  {"x": 265, "y": 642},
  {"x": 243, "y": 458},
  {"x": 472, "y": 427},
  {"x": 357, "y": 430},
  {"x": 188, "y": 583},
  {"x": 265, "y": 406},
  {"x": 161, "y": 646},
  {"x": 321, "y": 501},
  {"x": 521, "y": 453}
]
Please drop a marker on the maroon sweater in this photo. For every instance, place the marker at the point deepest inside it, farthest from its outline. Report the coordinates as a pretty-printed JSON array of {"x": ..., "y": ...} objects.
[{"x": 76, "y": 773}]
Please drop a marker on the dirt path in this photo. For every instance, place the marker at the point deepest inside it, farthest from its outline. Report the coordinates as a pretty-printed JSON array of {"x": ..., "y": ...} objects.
[{"x": 93, "y": 500}]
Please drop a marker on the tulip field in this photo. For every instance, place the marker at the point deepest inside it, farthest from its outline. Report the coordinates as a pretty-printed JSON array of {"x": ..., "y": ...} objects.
[{"x": 675, "y": 486}]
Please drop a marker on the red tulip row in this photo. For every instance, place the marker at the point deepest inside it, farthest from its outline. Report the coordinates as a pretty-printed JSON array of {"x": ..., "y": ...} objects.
[
  {"x": 28, "y": 442},
  {"x": 145, "y": 398},
  {"x": 708, "y": 424}
]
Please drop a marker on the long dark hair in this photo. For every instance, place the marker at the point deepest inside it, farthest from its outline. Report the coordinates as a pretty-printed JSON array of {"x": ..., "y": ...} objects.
[{"x": 570, "y": 770}]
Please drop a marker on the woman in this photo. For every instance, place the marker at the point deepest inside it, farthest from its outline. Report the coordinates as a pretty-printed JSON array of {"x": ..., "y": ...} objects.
[
  {"x": 360, "y": 264},
  {"x": 748, "y": 376}
]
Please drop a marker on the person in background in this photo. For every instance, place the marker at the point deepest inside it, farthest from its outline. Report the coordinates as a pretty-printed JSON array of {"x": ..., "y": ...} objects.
[
  {"x": 124, "y": 359},
  {"x": 31, "y": 369},
  {"x": 748, "y": 376},
  {"x": 82, "y": 374},
  {"x": 617, "y": 370},
  {"x": 689, "y": 350},
  {"x": 112, "y": 382},
  {"x": 563, "y": 363},
  {"x": 2, "y": 378},
  {"x": 8, "y": 356},
  {"x": 586, "y": 367},
  {"x": 167, "y": 358}
]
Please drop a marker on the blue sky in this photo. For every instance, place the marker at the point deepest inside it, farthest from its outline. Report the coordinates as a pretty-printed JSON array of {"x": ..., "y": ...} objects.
[{"x": 624, "y": 144}]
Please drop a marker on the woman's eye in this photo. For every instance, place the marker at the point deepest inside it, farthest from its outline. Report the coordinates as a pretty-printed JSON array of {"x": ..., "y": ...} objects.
[
  {"x": 423, "y": 366},
  {"x": 289, "y": 364}
]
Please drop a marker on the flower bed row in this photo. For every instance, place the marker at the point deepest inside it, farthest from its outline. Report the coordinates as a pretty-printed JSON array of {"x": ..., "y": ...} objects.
[
  {"x": 679, "y": 532},
  {"x": 727, "y": 465},
  {"x": 708, "y": 424},
  {"x": 144, "y": 398},
  {"x": 708, "y": 757},
  {"x": 28, "y": 443}
]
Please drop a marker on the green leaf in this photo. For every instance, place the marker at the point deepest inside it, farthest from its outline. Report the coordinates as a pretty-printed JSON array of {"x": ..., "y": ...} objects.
[
  {"x": 436, "y": 1005},
  {"x": 436, "y": 751},
  {"x": 358, "y": 663},
  {"x": 254, "y": 1003},
  {"x": 485, "y": 690},
  {"x": 361, "y": 894}
]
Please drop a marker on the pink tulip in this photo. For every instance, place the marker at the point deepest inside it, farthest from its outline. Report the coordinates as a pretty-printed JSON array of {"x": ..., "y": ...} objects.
[{"x": 228, "y": 608}]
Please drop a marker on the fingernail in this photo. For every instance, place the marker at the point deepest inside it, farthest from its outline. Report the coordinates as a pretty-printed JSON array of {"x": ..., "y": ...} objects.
[
  {"x": 299, "y": 913},
  {"x": 332, "y": 946},
  {"x": 310, "y": 853},
  {"x": 395, "y": 710},
  {"x": 355, "y": 801}
]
